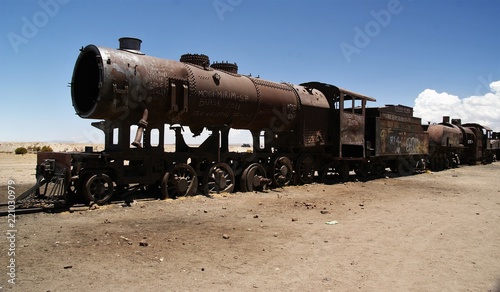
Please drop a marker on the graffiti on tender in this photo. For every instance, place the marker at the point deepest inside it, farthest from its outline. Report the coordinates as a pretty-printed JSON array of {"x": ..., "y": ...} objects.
[
  {"x": 398, "y": 142},
  {"x": 412, "y": 145}
]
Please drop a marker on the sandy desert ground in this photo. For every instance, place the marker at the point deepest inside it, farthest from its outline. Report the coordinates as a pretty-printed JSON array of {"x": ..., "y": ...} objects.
[{"x": 427, "y": 232}]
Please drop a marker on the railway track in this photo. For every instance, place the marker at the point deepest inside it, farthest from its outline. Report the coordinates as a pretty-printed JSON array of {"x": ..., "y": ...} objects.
[
  {"x": 5, "y": 210},
  {"x": 32, "y": 202}
]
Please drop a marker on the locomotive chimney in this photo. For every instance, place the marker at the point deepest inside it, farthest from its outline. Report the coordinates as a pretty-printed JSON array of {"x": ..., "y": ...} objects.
[
  {"x": 130, "y": 44},
  {"x": 446, "y": 119}
]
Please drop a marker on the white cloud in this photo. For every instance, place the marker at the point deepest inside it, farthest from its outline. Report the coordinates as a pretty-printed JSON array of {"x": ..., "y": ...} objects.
[
  {"x": 495, "y": 86},
  {"x": 431, "y": 106}
]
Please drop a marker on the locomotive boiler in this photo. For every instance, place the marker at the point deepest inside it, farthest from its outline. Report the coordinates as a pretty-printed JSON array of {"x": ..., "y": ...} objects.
[
  {"x": 453, "y": 143},
  {"x": 447, "y": 143},
  {"x": 120, "y": 85}
]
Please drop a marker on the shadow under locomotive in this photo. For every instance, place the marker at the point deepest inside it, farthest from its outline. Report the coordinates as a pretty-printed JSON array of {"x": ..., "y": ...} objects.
[{"x": 301, "y": 133}]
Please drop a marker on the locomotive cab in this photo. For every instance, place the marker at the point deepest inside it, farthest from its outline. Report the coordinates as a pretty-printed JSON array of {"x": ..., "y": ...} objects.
[
  {"x": 346, "y": 122},
  {"x": 482, "y": 148}
]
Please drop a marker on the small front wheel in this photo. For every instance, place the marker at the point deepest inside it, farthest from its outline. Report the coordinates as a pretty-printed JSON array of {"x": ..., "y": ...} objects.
[
  {"x": 281, "y": 171},
  {"x": 98, "y": 188},
  {"x": 305, "y": 169}
]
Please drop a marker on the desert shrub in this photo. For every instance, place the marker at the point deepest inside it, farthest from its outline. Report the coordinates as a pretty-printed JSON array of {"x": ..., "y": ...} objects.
[
  {"x": 21, "y": 150},
  {"x": 34, "y": 149},
  {"x": 46, "y": 149}
]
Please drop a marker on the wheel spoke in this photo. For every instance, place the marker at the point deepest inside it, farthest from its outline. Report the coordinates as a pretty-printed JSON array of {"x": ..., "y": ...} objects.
[
  {"x": 98, "y": 188},
  {"x": 220, "y": 178},
  {"x": 281, "y": 171},
  {"x": 179, "y": 182}
]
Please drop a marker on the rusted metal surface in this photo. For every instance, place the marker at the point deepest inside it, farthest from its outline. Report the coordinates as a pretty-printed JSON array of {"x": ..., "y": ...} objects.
[
  {"x": 113, "y": 84},
  {"x": 451, "y": 144},
  {"x": 61, "y": 161},
  {"x": 494, "y": 141},
  {"x": 313, "y": 103},
  {"x": 486, "y": 143},
  {"x": 225, "y": 66},
  {"x": 494, "y": 145},
  {"x": 394, "y": 141},
  {"x": 346, "y": 123},
  {"x": 53, "y": 181},
  {"x": 445, "y": 134},
  {"x": 393, "y": 130},
  {"x": 352, "y": 124},
  {"x": 351, "y": 129}
]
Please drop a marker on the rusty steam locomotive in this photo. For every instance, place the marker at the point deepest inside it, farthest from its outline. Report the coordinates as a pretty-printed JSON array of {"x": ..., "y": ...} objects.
[{"x": 301, "y": 133}]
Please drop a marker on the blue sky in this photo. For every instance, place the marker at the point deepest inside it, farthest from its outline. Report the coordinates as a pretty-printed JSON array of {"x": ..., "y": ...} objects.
[{"x": 443, "y": 56}]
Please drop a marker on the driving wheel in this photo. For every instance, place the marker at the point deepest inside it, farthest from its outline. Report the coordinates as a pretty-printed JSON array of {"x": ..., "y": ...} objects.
[
  {"x": 253, "y": 178},
  {"x": 219, "y": 178},
  {"x": 179, "y": 182}
]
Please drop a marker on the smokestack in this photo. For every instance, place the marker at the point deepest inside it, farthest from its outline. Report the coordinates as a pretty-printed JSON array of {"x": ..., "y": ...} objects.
[
  {"x": 446, "y": 119},
  {"x": 132, "y": 45}
]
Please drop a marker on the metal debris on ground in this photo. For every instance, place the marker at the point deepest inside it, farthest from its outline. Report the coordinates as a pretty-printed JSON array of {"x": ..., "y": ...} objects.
[{"x": 333, "y": 222}]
